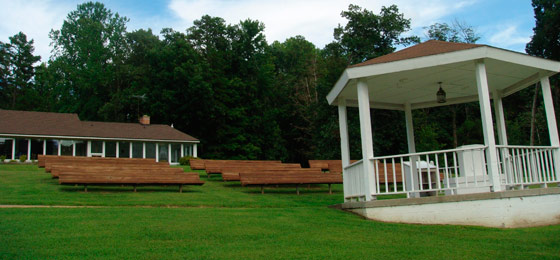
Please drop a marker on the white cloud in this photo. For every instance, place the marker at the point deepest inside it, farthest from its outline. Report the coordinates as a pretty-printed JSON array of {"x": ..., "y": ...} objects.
[
  {"x": 313, "y": 19},
  {"x": 508, "y": 35},
  {"x": 35, "y": 19}
]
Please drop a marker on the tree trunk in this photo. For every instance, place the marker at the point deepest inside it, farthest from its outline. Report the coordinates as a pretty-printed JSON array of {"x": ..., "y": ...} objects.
[
  {"x": 454, "y": 122},
  {"x": 533, "y": 112}
]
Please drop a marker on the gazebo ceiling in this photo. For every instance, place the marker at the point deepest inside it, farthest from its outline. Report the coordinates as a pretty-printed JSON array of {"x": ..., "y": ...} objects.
[{"x": 412, "y": 75}]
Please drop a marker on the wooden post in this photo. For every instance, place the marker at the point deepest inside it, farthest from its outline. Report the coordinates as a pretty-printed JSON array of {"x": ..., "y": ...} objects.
[
  {"x": 297, "y": 189},
  {"x": 330, "y": 190},
  {"x": 551, "y": 121},
  {"x": 181, "y": 188},
  {"x": 343, "y": 127},
  {"x": 367, "y": 140},
  {"x": 85, "y": 188},
  {"x": 134, "y": 185},
  {"x": 487, "y": 125},
  {"x": 412, "y": 179},
  {"x": 262, "y": 189}
]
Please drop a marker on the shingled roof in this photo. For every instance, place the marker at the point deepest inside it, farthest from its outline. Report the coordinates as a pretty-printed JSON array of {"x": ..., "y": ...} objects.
[
  {"x": 69, "y": 125},
  {"x": 431, "y": 47}
]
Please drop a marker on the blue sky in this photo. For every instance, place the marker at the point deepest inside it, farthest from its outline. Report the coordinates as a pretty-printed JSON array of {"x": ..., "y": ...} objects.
[{"x": 502, "y": 23}]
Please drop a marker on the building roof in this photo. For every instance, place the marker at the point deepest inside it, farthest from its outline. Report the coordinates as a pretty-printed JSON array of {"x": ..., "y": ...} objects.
[
  {"x": 431, "y": 47},
  {"x": 69, "y": 125},
  {"x": 412, "y": 76}
]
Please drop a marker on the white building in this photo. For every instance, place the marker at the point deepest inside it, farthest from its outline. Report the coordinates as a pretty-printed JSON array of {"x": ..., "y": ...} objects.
[{"x": 33, "y": 133}]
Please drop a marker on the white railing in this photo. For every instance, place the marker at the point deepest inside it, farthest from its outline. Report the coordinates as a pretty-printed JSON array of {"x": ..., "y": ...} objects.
[
  {"x": 527, "y": 165},
  {"x": 453, "y": 171},
  {"x": 353, "y": 181}
]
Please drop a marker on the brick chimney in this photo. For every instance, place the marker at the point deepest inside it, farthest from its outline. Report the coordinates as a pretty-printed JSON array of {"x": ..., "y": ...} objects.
[{"x": 144, "y": 120}]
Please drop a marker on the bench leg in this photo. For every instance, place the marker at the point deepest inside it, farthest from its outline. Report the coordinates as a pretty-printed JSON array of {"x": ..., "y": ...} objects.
[
  {"x": 85, "y": 188},
  {"x": 134, "y": 187},
  {"x": 262, "y": 189},
  {"x": 330, "y": 190},
  {"x": 297, "y": 189},
  {"x": 181, "y": 188}
]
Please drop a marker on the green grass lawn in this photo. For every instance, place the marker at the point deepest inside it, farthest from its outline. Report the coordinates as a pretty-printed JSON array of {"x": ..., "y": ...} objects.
[{"x": 225, "y": 221}]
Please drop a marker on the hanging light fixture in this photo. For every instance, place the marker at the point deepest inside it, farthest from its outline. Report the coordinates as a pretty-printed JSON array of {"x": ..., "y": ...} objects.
[{"x": 440, "y": 95}]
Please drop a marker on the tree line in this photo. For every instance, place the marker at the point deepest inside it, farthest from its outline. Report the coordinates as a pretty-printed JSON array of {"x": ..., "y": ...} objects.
[{"x": 243, "y": 97}]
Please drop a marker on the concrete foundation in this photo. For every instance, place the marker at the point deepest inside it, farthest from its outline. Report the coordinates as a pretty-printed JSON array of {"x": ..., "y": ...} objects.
[{"x": 508, "y": 209}]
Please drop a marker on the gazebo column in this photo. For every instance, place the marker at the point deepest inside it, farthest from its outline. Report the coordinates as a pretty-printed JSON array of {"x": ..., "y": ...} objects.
[
  {"x": 502, "y": 134},
  {"x": 487, "y": 125},
  {"x": 412, "y": 180},
  {"x": 551, "y": 121},
  {"x": 343, "y": 126},
  {"x": 367, "y": 139},
  {"x": 500, "y": 118},
  {"x": 344, "y": 144}
]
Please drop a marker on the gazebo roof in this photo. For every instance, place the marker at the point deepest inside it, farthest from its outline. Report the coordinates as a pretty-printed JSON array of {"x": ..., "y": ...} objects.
[{"x": 411, "y": 75}]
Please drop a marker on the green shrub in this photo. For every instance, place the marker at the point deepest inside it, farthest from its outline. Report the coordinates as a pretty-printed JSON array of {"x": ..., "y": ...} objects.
[
  {"x": 185, "y": 160},
  {"x": 22, "y": 158},
  {"x": 2, "y": 158}
]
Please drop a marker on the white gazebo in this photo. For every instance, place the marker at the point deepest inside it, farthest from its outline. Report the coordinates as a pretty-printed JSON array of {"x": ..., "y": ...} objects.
[{"x": 409, "y": 79}]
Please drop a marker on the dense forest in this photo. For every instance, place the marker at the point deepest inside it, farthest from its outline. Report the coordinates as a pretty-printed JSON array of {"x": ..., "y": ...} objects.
[{"x": 245, "y": 98}]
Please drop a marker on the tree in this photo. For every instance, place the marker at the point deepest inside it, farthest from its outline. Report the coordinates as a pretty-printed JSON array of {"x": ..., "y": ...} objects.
[
  {"x": 456, "y": 32},
  {"x": 545, "y": 43},
  {"x": 89, "y": 49},
  {"x": 367, "y": 35},
  {"x": 17, "y": 70}
]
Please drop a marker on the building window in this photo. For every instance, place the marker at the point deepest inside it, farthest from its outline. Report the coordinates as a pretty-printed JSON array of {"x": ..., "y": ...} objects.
[
  {"x": 110, "y": 149},
  {"x": 97, "y": 147},
  {"x": 52, "y": 147},
  {"x": 175, "y": 152},
  {"x": 124, "y": 149},
  {"x": 137, "y": 150},
  {"x": 21, "y": 147},
  {"x": 163, "y": 151},
  {"x": 150, "y": 150},
  {"x": 81, "y": 148},
  {"x": 188, "y": 149},
  {"x": 66, "y": 147},
  {"x": 6, "y": 147},
  {"x": 36, "y": 148}
]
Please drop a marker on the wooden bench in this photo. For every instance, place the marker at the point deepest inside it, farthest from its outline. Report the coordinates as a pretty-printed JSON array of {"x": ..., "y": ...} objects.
[
  {"x": 56, "y": 169},
  {"x": 201, "y": 164},
  {"x": 288, "y": 177},
  {"x": 129, "y": 177},
  {"x": 234, "y": 174},
  {"x": 196, "y": 164},
  {"x": 333, "y": 166},
  {"x": 215, "y": 167},
  {"x": 97, "y": 160}
]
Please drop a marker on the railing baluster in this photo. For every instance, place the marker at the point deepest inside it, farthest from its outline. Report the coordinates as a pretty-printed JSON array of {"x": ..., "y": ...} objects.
[
  {"x": 385, "y": 174},
  {"x": 551, "y": 164},
  {"x": 377, "y": 176},
  {"x": 394, "y": 175},
  {"x": 429, "y": 171},
  {"x": 437, "y": 173},
  {"x": 528, "y": 179},
  {"x": 456, "y": 171},
  {"x": 403, "y": 177},
  {"x": 419, "y": 172},
  {"x": 516, "y": 165},
  {"x": 446, "y": 171},
  {"x": 484, "y": 169},
  {"x": 540, "y": 170}
]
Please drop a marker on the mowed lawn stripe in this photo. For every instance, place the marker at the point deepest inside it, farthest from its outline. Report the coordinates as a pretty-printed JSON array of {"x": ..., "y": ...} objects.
[
  {"x": 269, "y": 233},
  {"x": 29, "y": 185}
]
